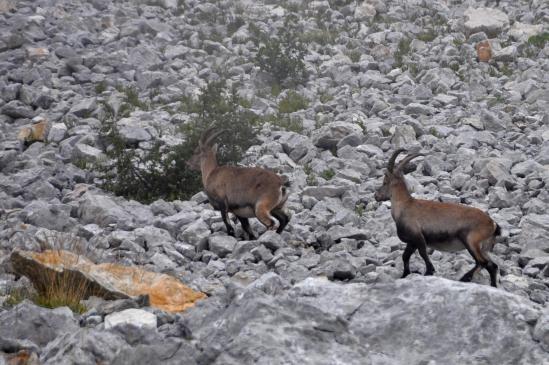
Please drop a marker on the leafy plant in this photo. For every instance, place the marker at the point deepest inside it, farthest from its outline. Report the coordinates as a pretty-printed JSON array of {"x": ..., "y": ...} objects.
[
  {"x": 402, "y": 50},
  {"x": 311, "y": 178},
  {"x": 285, "y": 122},
  {"x": 539, "y": 40},
  {"x": 359, "y": 209},
  {"x": 328, "y": 174},
  {"x": 161, "y": 171},
  {"x": 292, "y": 102},
  {"x": 282, "y": 56}
]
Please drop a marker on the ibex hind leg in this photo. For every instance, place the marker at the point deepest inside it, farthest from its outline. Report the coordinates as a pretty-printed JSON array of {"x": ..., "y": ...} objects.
[
  {"x": 282, "y": 218},
  {"x": 263, "y": 213}
]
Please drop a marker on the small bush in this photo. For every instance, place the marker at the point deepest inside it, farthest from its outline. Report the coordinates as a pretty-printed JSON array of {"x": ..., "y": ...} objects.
[
  {"x": 328, "y": 174},
  {"x": 292, "y": 102},
  {"x": 282, "y": 56},
  {"x": 354, "y": 55},
  {"x": 402, "y": 50},
  {"x": 539, "y": 40},
  {"x": 285, "y": 122},
  {"x": 311, "y": 178},
  {"x": 161, "y": 172},
  {"x": 100, "y": 87},
  {"x": 427, "y": 36}
]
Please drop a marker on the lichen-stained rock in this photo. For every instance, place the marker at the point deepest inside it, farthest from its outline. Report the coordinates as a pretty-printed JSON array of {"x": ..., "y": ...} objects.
[
  {"x": 487, "y": 20},
  {"x": 110, "y": 281}
]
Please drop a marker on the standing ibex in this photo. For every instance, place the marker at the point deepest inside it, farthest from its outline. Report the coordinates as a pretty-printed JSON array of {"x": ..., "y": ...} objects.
[
  {"x": 246, "y": 192},
  {"x": 442, "y": 226}
]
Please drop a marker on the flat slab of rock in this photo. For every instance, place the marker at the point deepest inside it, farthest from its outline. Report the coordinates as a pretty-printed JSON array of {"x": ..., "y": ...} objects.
[
  {"x": 410, "y": 321},
  {"x": 133, "y": 316},
  {"x": 110, "y": 281},
  {"x": 487, "y": 20}
]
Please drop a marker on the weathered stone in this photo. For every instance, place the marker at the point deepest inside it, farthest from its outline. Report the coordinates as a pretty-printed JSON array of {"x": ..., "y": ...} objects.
[
  {"x": 221, "y": 245},
  {"x": 522, "y": 31},
  {"x": 326, "y": 191},
  {"x": 84, "y": 107},
  {"x": 17, "y": 109},
  {"x": 132, "y": 316},
  {"x": 37, "y": 324},
  {"x": 57, "y": 132},
  {"x": 487, "y": 20},
  {"x": 110, "y": 281},
  {"x": 329, "y": 135}
]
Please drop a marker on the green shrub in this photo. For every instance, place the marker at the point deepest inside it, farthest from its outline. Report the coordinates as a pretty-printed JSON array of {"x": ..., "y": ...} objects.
[
  {"x": 292, "y": 102},
  {"x": 161, "y": 172},
  {"x": 402, "y": 50},
  {"x": 539, "y": 40},
  {"x": 427, "y": 36},
  {"x": 328, "y": 174},
  {"x": 282, "y": 56},
  {"x": 285, "y": 122}
]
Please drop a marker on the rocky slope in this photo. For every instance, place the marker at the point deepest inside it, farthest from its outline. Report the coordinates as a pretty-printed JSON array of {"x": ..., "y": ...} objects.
[{"x": 379, "y": 75}]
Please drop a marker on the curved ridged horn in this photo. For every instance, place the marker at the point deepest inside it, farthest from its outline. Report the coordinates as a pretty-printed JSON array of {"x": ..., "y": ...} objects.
[
  {"x": 407, "y": 159},
  {"x": 205, "y": 136},
  {"x": 391, "y": 164},
  {"x": 213, "y": 136}
]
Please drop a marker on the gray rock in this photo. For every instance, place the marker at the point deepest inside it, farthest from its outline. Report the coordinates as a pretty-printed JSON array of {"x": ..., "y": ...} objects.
[
  {"x": 315, "y": 309},
  {"x": 40, "y": 325},
  {"x": 487, "y": 20},
  {"x": 272, "y": 240},
  {"x": 55, "y": 217},
  {"x": 522, "y": 31},
  {"x": 84, "y": 107},
  {"x": 57, "y": 132},
  {"x": 329, "y": 135},
  {"x": 136, "y": 317},
  {"x": 83, "y": 346},
  {"x": 84, "y": 152},
  {"x": 17, "y": 109},
  {"x": 541, "y": 331},
  {"x": 326, "y": 191},
  {"x": 222, "y": 245}
]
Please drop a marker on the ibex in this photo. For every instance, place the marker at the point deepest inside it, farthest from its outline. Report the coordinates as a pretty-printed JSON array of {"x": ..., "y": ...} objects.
[
  {"x": 246, "y": 192},
  {"x": 442, "y": 226}
]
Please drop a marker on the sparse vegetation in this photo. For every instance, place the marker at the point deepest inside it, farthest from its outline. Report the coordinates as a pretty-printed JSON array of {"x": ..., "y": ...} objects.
[
  {"x": 360, "y": 208},
  {"x": 282, "y": 56},
  {"x": 539, "y": 40},
  {"x": 311, "y": 178},
  {"x": 427, "y": 36},
  {"x": 286, "y": 122},
  {"x": 403, "y": 49},
  {"x": 161, "y": 171},
  {"x": 328, "y": 174},
  {"x": 292, "y": 102},
  {"x": 100, "y": 87},
  {"x": 354, "y": 55}
]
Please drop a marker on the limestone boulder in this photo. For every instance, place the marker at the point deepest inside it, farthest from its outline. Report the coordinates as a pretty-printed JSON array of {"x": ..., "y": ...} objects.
[{"x": 110, "y": 281}]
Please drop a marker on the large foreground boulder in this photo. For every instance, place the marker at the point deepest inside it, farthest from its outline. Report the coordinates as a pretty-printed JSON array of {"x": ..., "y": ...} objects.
[
  {"x": 110, "y": 281},
  {"x": 28, "y": 324},
  {"x": 409, "y": 321}
]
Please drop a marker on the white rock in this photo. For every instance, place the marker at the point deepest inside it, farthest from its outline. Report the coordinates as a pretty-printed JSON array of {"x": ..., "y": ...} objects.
[
  {"x": 133, "y": 316},
  {"x": 521, "y": 31},
  {"x": 487, "y": 20},
  {"x": 57, "y": 132}
]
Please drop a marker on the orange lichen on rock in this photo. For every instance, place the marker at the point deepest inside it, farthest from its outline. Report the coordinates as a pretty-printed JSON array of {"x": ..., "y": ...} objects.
[
  {"x": 484, "y": 51},
  {"x": 109, "y": 280}
]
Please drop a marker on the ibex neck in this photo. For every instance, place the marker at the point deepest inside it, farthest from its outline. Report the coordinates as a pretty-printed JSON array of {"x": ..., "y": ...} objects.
[
  {"x": 400, "y": 196},
  {"x": 207, "y": 165}
]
